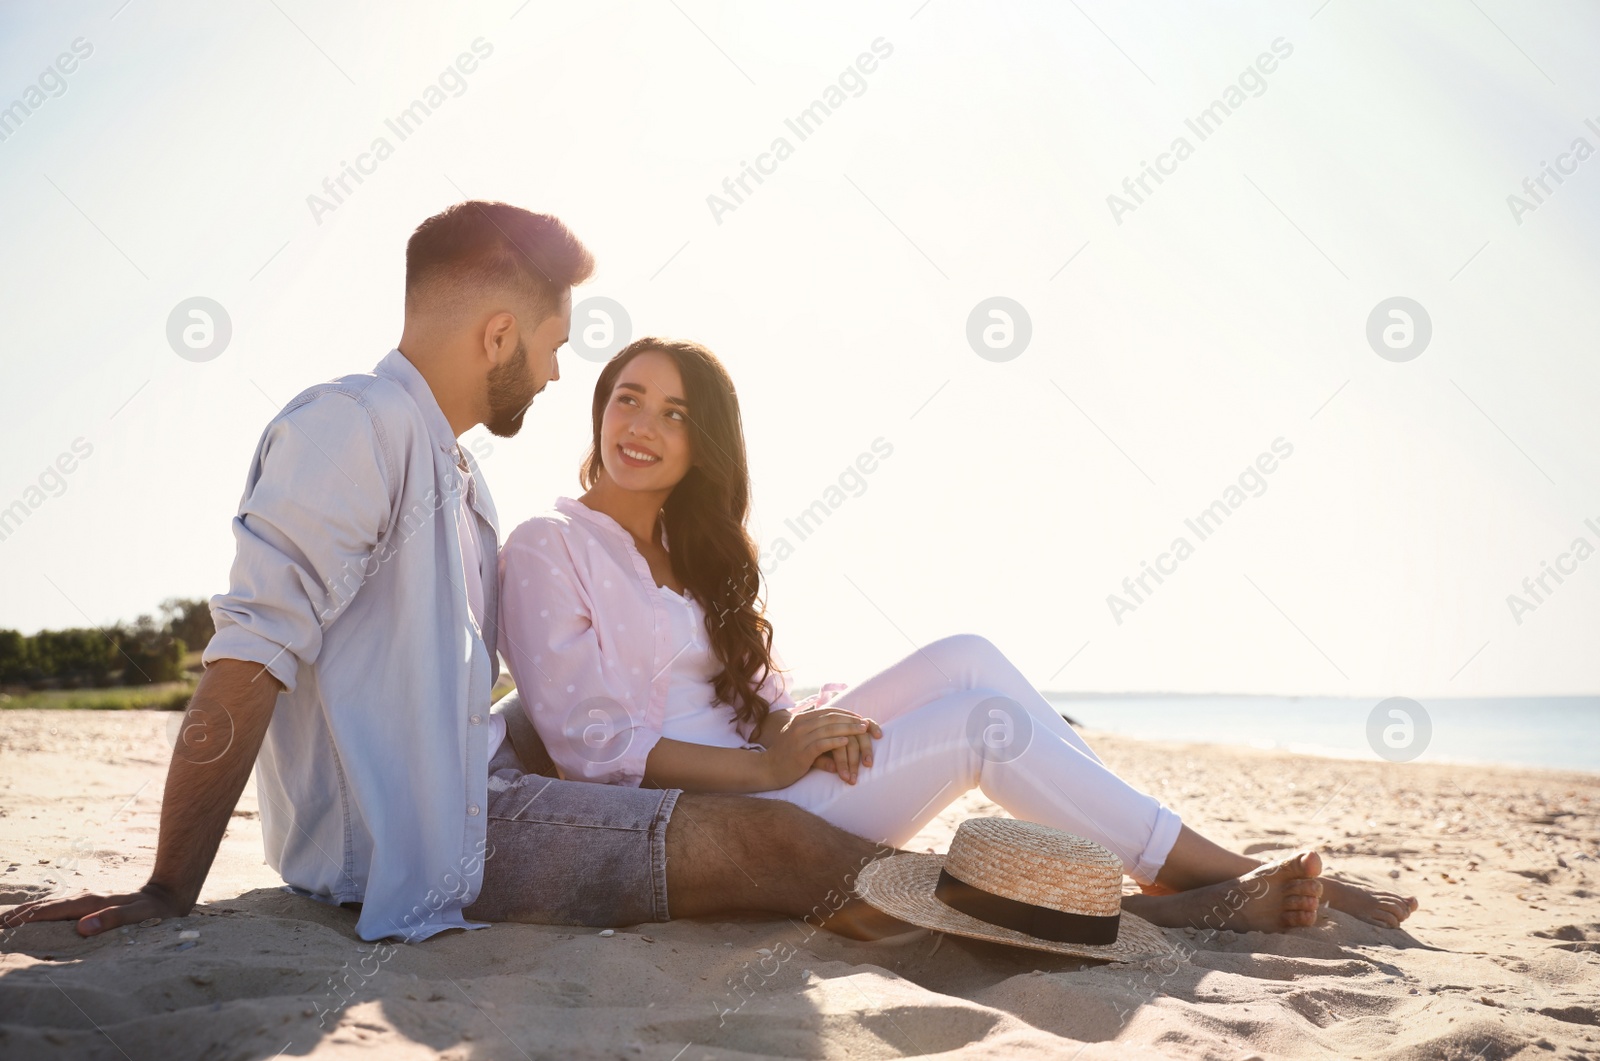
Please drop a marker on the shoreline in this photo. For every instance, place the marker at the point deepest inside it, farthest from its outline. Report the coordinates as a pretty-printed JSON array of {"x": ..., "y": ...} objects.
[{"x": 1336, "y": 754}]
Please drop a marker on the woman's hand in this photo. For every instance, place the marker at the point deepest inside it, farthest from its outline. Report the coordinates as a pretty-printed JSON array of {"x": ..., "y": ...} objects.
[
  {"x": 794, "y": 747},
  {"x": 848, "y": 760},
  {"x": 772, "y": 722},
  {"x": 844, "y": 761}
]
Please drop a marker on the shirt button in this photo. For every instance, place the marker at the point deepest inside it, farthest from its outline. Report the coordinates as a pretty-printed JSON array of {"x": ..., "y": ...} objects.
[
  {"x": 476, "y": 719},
  {"x": 472, "y": 810}
]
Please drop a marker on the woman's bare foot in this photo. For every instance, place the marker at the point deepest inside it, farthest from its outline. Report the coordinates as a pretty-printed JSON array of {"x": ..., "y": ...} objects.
[
  {"x": 1196, "y": 862},
  {"x": 1376, "y": 907},
  {"x": 1270, "y": 898}
]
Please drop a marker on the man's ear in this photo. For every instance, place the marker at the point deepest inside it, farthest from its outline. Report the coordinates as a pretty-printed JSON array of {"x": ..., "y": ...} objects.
[{"x": 499, "y": 337}]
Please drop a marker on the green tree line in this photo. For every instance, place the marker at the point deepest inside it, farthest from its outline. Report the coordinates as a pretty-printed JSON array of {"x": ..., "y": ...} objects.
[{"x": 148, "y": 650}]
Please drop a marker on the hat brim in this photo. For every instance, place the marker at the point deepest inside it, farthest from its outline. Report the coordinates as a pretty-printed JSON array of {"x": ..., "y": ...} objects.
[{"x": 902, "y": 886}]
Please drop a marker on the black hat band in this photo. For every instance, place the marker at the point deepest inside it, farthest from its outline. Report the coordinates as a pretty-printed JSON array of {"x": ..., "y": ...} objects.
[{"x": 1040, "y": 922}]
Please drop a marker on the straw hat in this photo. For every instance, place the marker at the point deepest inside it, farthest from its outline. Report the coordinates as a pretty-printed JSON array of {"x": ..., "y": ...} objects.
[{"x": 1021, "y": 883}]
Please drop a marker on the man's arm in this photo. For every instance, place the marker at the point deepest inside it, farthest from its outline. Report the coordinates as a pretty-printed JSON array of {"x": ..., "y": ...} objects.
[
  {"x": 217, "y": 746},
  {"x": 316, "y": 504}
]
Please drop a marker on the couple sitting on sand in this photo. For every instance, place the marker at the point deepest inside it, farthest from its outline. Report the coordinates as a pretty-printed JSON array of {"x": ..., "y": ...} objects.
[{"x": 358, "y": 643}]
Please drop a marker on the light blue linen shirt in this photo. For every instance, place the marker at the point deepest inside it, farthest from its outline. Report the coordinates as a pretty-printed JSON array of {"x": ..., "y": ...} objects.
[{"x": 347, "y": 586}]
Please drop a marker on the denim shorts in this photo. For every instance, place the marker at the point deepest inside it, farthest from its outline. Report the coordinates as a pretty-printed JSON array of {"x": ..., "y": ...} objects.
[{"x": 568, "y": 852}]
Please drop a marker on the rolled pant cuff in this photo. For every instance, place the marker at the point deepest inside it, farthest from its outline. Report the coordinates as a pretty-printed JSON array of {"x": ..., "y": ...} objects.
[
  {"x": 658, "y": 852},
  {"x": 1162, "y": 837}
]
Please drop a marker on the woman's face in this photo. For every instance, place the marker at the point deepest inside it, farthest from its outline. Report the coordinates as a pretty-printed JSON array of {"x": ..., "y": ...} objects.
[{"x": 644, "y": 432}]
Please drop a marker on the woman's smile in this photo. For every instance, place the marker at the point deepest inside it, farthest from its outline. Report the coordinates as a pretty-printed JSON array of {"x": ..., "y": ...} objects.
[{"x": 637, "y": 456}]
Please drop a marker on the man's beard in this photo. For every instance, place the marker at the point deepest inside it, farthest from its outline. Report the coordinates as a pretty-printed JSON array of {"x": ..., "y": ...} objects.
[{"x": 510, "y": 393}]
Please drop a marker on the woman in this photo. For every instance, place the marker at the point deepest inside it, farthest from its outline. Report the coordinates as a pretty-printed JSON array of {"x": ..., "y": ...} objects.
[{"x": 632, "y": 623}]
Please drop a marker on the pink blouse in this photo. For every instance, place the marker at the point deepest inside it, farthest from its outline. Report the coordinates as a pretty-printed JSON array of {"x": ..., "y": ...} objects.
[{"x": 588, "y": 639}]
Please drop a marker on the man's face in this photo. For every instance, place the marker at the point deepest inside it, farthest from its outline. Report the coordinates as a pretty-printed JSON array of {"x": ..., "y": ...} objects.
[{"x": 514, "y": 382}]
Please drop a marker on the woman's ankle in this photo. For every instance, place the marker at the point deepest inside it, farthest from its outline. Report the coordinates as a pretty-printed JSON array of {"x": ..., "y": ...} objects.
[{"x": 1195, "y": 862}]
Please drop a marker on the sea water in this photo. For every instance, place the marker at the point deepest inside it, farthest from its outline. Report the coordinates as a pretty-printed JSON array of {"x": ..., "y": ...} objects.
[{"x": 1558, "y": 732}]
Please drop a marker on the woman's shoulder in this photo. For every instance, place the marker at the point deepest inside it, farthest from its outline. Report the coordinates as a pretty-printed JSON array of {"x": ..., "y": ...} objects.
[
  {"x": 546, "y": 528},
  {"x": 565, "y": 530}
]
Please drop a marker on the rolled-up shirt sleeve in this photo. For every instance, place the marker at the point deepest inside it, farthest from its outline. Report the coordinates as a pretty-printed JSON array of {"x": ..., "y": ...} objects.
[
  {"x": 571, "y": 687},
  {"x": 316, "y": 505}
]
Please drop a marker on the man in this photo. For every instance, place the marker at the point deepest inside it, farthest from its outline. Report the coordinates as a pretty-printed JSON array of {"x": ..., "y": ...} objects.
[{"x": 356, "y": 649}]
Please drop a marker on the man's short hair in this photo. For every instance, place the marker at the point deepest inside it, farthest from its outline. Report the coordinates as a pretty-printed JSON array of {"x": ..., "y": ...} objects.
[{"x": 459, "y": 254}]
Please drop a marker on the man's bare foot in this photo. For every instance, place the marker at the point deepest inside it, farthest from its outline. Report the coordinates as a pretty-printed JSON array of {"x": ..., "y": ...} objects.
[
  {"x": 1272, "y": 897},
  {"x": 859, "y": 919},
  {"x": 1376, "y": 907}
]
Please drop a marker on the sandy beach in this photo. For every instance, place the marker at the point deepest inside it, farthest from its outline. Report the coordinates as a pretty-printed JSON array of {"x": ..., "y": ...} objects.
[{"x": 1502, "y": 960}]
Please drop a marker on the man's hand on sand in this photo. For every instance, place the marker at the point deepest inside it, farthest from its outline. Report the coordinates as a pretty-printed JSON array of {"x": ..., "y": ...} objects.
[
  {"x": 201, "y": 792},
  {"x": 98, "y": 913}
]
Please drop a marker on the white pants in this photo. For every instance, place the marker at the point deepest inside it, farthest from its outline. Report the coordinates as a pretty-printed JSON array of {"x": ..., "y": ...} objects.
[{"x": 957, "y": 715}]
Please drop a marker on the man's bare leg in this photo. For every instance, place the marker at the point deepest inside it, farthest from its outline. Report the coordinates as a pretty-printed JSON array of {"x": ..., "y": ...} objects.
[
  {"x": 1196, "y": 862},
  {"x": 734, "y": 853},
  {"x": 728, "y": 853}
]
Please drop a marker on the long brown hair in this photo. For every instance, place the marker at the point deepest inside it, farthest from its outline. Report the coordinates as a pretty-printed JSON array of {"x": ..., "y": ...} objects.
[{"x": 704, "y": 516}]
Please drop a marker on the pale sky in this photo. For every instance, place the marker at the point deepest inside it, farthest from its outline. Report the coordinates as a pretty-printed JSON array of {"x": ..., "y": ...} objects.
[{"x": 1171, "y": 342}]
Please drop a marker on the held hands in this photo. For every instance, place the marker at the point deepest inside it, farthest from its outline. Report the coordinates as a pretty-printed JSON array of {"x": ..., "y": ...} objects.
[
  {"x": 807, "y": 738},
  {"x": 842, "y": 761},
  {"x": 847, "y": 759}
]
